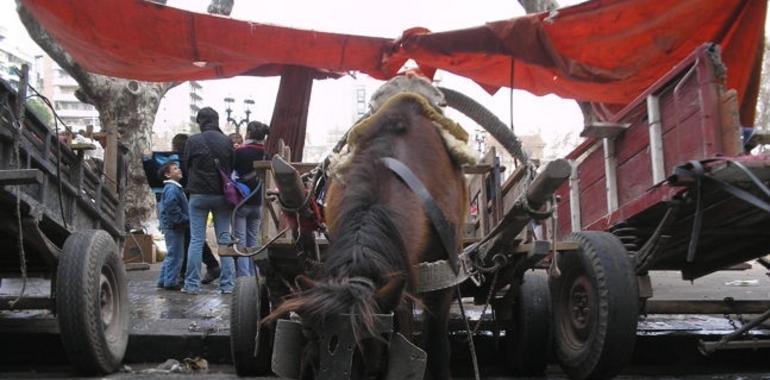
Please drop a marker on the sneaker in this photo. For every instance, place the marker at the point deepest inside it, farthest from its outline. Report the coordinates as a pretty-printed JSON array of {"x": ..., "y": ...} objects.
[
  {"x": 226, "y": 291},
  {"x": 211, "y": 275},
  {"x": 189, "y": 291},
  {"x": 173, "y": 287}
]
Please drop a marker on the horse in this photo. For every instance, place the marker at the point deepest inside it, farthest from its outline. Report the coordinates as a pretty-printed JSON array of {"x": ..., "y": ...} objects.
[{"x": 379, "y": 231}]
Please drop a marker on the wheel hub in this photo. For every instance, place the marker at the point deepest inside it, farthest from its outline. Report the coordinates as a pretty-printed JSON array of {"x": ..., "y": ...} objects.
[
  {"x": 106, "y": 299},
  {"x": 577, "y": 310}
]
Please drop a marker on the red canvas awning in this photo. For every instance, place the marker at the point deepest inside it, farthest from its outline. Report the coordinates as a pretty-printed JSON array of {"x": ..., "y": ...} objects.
[{"x": 605, "y": 51}]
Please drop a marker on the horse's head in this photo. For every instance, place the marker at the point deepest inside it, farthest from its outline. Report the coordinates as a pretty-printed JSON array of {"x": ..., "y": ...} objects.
[{"x": 347, "y": 324}]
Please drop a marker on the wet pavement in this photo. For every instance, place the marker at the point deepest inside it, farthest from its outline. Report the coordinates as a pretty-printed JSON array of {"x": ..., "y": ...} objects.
[{"x": 170, "y": 324}]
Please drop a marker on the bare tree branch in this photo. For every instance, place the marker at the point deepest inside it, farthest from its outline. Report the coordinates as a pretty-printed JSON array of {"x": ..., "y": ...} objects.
[
  {"x": 537, "y": 6},
  {"x": 221, "y": 7}
]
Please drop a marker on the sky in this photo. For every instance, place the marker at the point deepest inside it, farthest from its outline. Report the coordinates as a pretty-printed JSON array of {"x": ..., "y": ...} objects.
[
  {"x": 331, "y": 100},
  {"x": 331, "y": 105}
]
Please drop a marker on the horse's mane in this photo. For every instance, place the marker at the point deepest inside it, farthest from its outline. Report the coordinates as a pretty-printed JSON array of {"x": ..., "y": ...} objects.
[{"x": 366, "y": 243}]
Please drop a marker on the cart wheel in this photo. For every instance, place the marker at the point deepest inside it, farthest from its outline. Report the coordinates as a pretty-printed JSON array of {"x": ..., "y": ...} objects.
[
  {"x": 249, "y": 305},
  {"x": 595, "y": 307},
  {"x": 92, "y": 302},
  {"x": 528, "y": 338}
]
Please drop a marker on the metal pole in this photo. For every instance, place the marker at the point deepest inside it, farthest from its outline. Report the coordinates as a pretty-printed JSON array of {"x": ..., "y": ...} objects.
[
  {"x": 656, "y": 140},
  {"x": 709, "y": 347}
]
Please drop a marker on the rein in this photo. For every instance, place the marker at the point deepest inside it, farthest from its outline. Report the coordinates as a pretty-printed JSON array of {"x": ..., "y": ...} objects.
[{"x": 444, "y": 228}]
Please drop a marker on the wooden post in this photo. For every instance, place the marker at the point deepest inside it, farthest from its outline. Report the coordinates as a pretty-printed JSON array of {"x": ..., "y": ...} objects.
[
  {"x": 289, "y": 120},
  {"x": 111, "y": 158}
]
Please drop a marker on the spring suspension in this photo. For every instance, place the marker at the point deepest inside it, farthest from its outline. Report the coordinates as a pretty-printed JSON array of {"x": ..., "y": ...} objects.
[{"x": 629, "y": 236}]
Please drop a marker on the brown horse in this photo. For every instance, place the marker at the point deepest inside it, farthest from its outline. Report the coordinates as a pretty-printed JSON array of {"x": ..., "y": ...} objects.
[{"x": 379, "y": 232}]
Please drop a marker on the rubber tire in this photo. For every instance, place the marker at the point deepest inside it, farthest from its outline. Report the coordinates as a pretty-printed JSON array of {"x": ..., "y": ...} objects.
[
  {"x": 603, "y": 272},
  {"x": 90, "y": 269},
  {"x": 529, "y": 336},
  {"x": 249, "y": 305}
]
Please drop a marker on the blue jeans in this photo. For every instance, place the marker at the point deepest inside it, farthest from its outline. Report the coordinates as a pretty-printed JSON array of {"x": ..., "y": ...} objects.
[
  {"x": 200, "y": 206},
  {"x": 172, "y": 263},
  {"x": 246, "y": 229}
]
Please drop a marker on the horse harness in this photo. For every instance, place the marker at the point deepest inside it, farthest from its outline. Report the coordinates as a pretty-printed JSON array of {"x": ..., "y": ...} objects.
[{"x": 439, "y": 274}]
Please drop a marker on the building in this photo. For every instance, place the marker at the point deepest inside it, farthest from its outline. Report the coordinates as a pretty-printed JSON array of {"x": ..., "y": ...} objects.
[
  {"x": 176, "y": 114},
  {"x": 12, "y": 57},
  {"x": 533, "y": 145},
  {"x": 59, "y": 87}
]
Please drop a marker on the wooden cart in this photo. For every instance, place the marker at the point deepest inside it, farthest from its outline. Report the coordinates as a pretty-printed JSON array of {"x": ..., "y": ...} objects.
[
  {"x": 669, "y": 176},
  {"x": 72, "y": 229}
]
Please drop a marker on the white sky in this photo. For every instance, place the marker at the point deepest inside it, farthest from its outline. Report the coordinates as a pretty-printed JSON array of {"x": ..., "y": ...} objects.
[{"x": 331, "y": 102}]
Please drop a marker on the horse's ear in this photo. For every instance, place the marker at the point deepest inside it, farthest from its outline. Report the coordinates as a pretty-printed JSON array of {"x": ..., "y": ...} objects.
[
  {"x": 389, "y": 295},
  {"x": 304, "y": 282}
]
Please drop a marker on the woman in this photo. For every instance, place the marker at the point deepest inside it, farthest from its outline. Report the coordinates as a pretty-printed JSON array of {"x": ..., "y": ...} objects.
[
  {"x": 248, "y": 216},
  {"x": 204, "y": 184}
]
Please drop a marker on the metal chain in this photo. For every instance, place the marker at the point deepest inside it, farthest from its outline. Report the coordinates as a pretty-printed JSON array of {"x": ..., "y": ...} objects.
[
  {"x": 488, "y": 300},
  {"x": 471, "y": 345},
  {"x": 730, "y": 321}
]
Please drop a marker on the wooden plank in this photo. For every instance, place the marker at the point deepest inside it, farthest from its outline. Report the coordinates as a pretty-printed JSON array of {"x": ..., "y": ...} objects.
[
  {"x": 602, "y": 130},
  {"x": 289, "y": 121},
  {"x": 477, "y": 169},
  {"x": 21, "y": 177},
  {"x": 26, "y": 303},
  {"x": 82, "y": 146}
]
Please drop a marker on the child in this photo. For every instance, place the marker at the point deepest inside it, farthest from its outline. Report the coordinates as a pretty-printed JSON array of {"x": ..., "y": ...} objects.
[{"x": 174, "y": 218}]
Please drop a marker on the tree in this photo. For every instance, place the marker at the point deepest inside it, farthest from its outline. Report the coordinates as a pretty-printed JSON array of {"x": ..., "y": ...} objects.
[
  {"x": 537, "y": 6},
  {"x": 762, "y": 119},
  {"x": 41, "y": 110},
  {"x": 126, "y": 108}
]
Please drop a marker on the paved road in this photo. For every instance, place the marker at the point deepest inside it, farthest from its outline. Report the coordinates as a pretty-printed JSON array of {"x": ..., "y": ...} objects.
[{"x": 666, "y": 346}]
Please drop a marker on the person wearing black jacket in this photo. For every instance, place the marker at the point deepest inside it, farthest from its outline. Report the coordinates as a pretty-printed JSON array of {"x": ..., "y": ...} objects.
[
  {"x": 202, "y": 153},
  {"x": 248, "y": 216}
]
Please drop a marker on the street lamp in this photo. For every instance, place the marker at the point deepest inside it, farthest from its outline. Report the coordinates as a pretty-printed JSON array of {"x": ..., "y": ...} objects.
[
  {"x": 480, "y": 139},
  {"x": 247, "y": 103}
]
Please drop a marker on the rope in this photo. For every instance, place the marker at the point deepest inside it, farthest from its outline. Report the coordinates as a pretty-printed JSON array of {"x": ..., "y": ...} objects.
[
  {"x": 18, "y": 122},
  {"x": 56, "y": 120}
]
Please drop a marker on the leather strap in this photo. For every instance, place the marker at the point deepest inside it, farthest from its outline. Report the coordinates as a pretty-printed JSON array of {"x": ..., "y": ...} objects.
[
  {"x": 446, "y": 231},
  {"x": 437, "y": 275}
]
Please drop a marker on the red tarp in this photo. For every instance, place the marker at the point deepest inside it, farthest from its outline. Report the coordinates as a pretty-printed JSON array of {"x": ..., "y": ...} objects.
[{"x": 605, "y": 51}]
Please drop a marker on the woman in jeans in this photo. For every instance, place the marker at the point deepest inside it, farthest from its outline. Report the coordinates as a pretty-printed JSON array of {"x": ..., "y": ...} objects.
[
  {"x": 204, "y": 184},
  {"x": 248, "y": 216}
]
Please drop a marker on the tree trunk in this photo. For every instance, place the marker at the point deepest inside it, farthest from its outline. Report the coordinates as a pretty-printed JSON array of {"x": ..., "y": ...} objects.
[
  {"x": 762, "y": 119},
  {"x": 127, "y": 107}
]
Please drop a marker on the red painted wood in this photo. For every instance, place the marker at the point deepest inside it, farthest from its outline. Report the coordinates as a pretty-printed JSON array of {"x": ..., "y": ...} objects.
[{"x": 690, "y": 100}]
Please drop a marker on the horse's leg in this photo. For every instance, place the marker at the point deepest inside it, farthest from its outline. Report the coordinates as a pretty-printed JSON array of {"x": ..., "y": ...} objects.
[
  {"x": 405, "y": 319},
  {"x": 435, "y": 333}
]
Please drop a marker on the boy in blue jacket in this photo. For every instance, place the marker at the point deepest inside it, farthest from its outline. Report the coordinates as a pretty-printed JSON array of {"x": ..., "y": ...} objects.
[{"x": 174, "y": 220}]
